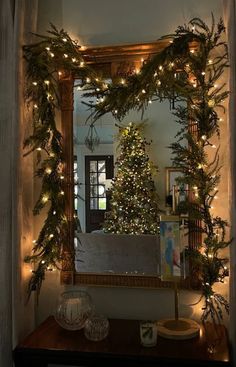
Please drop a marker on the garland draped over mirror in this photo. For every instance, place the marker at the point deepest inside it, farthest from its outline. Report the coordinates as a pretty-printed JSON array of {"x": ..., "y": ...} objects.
[{"x": 185, "y": 71}]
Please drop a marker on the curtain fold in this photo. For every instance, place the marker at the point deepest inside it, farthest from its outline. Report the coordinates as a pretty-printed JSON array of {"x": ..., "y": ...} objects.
[
  {"x": 229, "y": 7},
  {"x": 17, "y": 20}
]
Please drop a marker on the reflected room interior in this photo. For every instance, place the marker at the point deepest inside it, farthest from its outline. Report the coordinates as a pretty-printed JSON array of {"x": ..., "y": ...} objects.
[{"x": 96, "y": 150}]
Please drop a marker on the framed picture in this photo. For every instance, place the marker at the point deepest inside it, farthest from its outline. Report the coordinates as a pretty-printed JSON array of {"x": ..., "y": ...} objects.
[
  {"x": 170, "y": 247},
  {"x": 175, "y": 192}
]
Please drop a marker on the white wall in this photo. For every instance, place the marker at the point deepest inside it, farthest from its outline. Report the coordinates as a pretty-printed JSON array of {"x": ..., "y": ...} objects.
[{"x": 112, "y": 22}]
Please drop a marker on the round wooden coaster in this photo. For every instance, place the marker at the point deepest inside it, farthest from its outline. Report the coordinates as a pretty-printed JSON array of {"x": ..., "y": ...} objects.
[{"x": 180, "y": 329}]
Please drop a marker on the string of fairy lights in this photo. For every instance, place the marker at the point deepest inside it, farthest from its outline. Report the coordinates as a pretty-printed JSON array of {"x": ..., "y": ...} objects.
[
  {"x": 188, "y": 70},
  {"x": 47, "y": 61}
]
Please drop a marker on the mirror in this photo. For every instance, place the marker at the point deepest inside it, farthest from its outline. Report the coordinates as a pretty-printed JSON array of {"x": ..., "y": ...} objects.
[
  {"x": 112, "y": 259},
  {"x": 94, "y": 167}
]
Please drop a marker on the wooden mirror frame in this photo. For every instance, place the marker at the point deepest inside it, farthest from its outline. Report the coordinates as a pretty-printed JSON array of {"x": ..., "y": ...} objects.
[{"x": 111, "y": 61}]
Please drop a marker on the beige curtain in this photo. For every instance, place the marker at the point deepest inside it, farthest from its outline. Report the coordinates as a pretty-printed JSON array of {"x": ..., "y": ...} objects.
[
  {"x": 17, "y": 19},
  {"x": 230, "y": 22}
]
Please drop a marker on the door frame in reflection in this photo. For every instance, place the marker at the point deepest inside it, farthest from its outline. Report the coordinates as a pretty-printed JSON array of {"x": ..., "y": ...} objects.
[{"x": 95, "y": 216}]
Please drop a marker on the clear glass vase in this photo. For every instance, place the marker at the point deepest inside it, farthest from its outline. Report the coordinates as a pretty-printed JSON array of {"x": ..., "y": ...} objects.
[
  {"x": 96, "y": 327},
  {"x": 74, "y": 308}
]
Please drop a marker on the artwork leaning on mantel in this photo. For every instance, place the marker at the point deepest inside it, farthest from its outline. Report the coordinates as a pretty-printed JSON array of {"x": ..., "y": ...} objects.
[{"x": 132, "y": 116}]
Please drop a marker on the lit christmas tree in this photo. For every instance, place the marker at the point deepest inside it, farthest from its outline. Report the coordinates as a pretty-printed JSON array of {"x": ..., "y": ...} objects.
[{"x": 134, "y": 200}]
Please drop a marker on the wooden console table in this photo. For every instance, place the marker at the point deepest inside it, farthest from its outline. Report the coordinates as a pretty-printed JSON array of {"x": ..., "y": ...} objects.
[{"x": 50, "y": 344}]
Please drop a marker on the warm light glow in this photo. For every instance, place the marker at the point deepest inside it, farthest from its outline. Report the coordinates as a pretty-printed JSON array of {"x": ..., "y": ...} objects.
[
  {"x": 35, "y": 106},
  {"x": 35, "y": 83},
  {"x": 64, "y": 39},
  {"x": 45, "y": 198},
  {"x": 192, "y": 51},
  {"x": 62, "y": 193},
  {"x": 48, "y": 170},
  {"x": 46, "y": 82},
  {"x": 88, "y": 80},
  {"x": 65, "y": 55},
  {"x": 81, "y": 64},
  {"x": 51, "y": 235},
  {"x": 39, "y": 149},
  {"x": 59, "y": 73},
  {"x": 74, "y": 59},
  {"x": 143, "y": 91},
  {"x": 52, "y": 54}
]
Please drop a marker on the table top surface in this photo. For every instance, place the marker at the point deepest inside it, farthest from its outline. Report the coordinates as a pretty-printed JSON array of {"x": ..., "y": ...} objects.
[{"x": 124, "y": 340}]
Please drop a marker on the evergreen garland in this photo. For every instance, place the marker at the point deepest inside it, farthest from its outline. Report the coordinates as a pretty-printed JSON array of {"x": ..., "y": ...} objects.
[
  {"x": 47, "y": 60},
  {"x": 185, "y": 71}
]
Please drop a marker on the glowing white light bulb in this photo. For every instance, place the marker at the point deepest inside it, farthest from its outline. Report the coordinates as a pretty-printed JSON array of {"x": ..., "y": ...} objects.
[
  {"x": 48, "y": 170},
  {"x": 45, "y": 198}
]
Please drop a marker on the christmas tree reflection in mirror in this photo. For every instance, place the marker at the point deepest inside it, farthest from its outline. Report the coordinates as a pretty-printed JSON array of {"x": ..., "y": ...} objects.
[{"x": 118, "y": 222}]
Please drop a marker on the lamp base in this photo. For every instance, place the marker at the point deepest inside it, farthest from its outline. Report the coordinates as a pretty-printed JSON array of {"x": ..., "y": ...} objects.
[{"x": 180, "y": 329}]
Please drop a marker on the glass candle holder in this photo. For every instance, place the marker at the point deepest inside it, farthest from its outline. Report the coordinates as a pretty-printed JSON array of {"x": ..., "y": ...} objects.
[
  {"x": 96, "y": 328},
  {"x": 148, "y": 333},
  {"x": 73, "y": 309}
]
